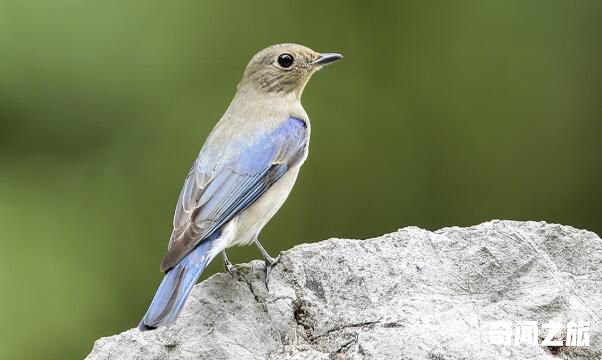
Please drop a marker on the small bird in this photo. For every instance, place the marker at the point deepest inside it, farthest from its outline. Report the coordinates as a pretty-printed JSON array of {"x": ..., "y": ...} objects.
[{"x": 242, "y": 175}]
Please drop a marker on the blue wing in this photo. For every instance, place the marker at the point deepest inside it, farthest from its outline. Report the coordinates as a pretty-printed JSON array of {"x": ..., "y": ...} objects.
[{"x": 211, "y": 198}]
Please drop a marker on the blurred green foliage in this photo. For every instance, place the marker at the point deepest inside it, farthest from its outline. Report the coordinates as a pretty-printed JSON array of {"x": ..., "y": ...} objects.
[{"x": 442, "y": 113}]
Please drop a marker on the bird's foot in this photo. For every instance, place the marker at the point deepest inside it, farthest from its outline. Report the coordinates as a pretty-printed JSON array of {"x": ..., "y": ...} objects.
[
  {"x": 231, "y": 269},
  {"x": 269, "y": 262}
]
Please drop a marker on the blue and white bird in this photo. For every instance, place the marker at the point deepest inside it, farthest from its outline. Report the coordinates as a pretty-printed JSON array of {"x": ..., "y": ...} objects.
[{"x": 243, "y": 174}]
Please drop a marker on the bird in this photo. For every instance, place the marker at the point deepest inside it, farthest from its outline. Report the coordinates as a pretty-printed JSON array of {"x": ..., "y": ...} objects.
[{"x": 243, "y": 174}]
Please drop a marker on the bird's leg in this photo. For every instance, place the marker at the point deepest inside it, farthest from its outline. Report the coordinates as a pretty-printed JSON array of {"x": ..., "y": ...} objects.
[
  {"x": 231, "y": 269},
  {"x": 269, "y": 261}
]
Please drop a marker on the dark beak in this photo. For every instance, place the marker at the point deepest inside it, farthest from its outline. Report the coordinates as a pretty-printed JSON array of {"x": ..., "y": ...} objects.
[{"x": 327, "y": 58}]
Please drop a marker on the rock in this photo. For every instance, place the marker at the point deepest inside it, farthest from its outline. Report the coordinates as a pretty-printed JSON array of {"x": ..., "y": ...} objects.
[{"x": 412, "y": 294}]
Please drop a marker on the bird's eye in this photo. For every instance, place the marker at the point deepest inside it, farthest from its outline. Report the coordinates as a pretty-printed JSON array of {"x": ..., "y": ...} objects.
[{"x": 285, "y": 60}]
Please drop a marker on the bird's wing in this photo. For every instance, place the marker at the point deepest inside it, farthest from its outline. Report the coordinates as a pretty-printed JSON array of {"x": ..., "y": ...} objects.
[{"x": 211, "y": 198}]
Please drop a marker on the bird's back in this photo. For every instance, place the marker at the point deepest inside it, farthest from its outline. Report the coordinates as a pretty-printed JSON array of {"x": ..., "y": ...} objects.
[{"x": 249, "y": 117}]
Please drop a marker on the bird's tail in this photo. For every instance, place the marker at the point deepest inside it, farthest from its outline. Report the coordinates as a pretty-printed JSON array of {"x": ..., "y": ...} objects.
[{"x": 175, "y": 287}]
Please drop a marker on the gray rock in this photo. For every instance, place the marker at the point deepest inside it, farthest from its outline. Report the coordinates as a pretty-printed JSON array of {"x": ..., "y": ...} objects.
[{"x": 412, "y": 294}]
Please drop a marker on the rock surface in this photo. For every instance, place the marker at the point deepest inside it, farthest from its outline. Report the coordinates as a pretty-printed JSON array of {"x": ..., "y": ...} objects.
[{"x": 412, "y": 294}]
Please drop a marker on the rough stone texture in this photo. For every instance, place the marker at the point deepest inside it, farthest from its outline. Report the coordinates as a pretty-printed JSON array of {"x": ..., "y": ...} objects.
[{"x": 412, "y": 294}]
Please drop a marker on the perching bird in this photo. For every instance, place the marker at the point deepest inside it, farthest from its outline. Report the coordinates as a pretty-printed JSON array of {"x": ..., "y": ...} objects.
[{"x": 243, "y": 174}]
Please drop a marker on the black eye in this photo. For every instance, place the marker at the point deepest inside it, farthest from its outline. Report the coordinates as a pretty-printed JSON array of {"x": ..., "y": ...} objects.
[{"x": 285, "y": 60}]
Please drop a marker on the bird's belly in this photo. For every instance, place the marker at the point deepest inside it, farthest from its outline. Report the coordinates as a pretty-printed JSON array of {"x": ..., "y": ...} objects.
[{"x": 252, "y": 220}]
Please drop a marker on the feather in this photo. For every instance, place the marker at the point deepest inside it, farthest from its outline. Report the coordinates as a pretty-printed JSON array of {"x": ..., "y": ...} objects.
[{"x": 230, "y": 188}]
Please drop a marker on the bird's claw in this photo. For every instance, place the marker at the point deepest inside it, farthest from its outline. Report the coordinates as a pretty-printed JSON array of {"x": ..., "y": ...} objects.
[
  {"x": 231, "y": 269},
  {"x": 269, "y": 262}
]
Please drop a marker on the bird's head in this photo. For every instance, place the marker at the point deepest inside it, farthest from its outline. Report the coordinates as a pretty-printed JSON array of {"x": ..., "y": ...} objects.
[{"x": 284, "y": 69}]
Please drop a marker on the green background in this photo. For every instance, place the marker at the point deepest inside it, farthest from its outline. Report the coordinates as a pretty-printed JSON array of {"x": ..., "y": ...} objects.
[{"x": 442, "y": 113}]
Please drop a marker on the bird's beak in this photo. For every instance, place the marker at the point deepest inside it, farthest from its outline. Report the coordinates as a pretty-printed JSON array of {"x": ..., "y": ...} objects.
[{"x": 327, "y": 58}]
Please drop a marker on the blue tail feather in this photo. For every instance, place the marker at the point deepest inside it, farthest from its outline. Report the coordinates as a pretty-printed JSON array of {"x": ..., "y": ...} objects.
[{"x": 176, "y": 286}]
